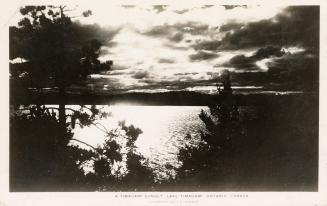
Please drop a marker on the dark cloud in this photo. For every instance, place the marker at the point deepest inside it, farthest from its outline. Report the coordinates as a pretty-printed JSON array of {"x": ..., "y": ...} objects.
[
  {"x": 140, "y": 75},
  {"x": 158, "y": 31},
  {"x": 159, "y": 8},
  {"x": 206, "y": 6},
  {"x": 295, "y": 26},
  {"x": 230, "y": 26},
  {"x": 228, "y": 7},
  {"x": 173, "y": 46},
  {"x": 298, "y": 71},
  {"x": 201, "y": 55},
  {"x": 128, "y": 6},
  {"x": 166, "y": 61},
  {"x": 211, "y": 45},
  {"x": 176, "y": 32},
  {"x": 149, "y": 81},
  {"x": 249, "y": 63},
  {"x": 267, "y": 52},
  {"x": 177, "y": 37},
  {"x": 186, "y": 73},
  {"x": 242, "y": 62},
  {"x": 181, "y": 11},
  {"x": 194, "y": 28}
]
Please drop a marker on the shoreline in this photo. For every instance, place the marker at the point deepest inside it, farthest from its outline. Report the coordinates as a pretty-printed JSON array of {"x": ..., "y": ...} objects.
[{"x": 180, "y": 98}]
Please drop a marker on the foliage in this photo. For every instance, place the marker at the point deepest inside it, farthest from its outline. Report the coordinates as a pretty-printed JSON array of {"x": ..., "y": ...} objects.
[
  {"x": 227, "y": 134},
  {"x": 44, "y": 158},
  {"x": 119, "y": 166},
  {"x": 56, "y": 51}
]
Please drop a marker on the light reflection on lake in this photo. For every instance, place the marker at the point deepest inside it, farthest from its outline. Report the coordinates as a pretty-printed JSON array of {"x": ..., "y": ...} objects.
[{"x": 164, "y": 130}]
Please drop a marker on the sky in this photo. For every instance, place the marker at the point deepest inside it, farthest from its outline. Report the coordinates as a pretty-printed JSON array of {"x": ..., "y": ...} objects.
[{"x": 181, "y": 47}]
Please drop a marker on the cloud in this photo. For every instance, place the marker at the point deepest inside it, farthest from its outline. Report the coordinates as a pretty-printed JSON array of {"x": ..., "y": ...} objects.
[
  {"x": 201, "y": 55},
  {"x": 140, "y": 75},
  {"x": 159, "y": 8},
  {"x": 128, "y": 6},
  {"x": 158, "y": 31},
  {"x": 206, "y": 6},
  {"x": 211, "y": 45},
  {"x": 230, "y": 26},
  {"x": 181, "y": 11},
  {"x": 177, "y": 37},
  {"x": 267, "y": 52},
  {"x": 186, "y": 73},
  {"x": 299, "y": 71},
  {"x": 245, "y": 63},
  {"x": 194, "y": 28},
  {"x": 229, "y": 7},
  {"x": 175, "y": 32},
  {"x": 166, "y": 61},
  {"x": 242, "y": 62},
  {"x": 295, "y": 26}
]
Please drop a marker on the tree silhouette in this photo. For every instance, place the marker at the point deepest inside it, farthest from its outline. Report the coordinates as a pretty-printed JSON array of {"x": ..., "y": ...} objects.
[
  {"x": 43, "y": 158},
  {"x": 56, "y": 51},
  {"x": 227, "y": 133}
]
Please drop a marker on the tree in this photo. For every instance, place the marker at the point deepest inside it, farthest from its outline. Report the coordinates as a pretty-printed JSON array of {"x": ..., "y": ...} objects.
[
  {"x": 55, "y": 50},
  {"x": 43, "y": 158},
  {"x": 228, "y": 133}
]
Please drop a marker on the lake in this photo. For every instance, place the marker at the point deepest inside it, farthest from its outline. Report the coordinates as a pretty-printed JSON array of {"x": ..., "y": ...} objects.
[{"x": 164, "y": 129}]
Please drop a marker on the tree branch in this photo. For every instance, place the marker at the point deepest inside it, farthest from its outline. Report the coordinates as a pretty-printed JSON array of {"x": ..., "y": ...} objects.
[{"x": 85, "y": 144}]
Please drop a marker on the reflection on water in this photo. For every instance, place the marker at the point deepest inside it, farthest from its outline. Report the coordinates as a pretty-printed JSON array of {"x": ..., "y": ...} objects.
[{"x": 164, "y": 129}]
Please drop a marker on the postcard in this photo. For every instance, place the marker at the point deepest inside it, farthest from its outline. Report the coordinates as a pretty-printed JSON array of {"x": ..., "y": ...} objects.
[{"x": 163, "y": 103}]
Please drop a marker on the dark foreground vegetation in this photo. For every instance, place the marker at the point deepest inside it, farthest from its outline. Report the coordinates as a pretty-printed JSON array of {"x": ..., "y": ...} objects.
[
  {"x": 267, "y": 147},
  {"x": 41, "y": 158}
]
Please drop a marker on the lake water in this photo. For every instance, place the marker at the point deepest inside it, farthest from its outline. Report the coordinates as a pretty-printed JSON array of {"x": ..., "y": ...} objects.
[{"x": 164, "y": 129}]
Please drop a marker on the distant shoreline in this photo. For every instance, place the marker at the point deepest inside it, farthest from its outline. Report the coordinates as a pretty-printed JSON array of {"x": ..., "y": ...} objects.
[{"x": 178, "y": 98}]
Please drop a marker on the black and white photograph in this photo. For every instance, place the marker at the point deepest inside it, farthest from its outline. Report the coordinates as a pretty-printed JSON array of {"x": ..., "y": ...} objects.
[{"x": 164, "y": 98}]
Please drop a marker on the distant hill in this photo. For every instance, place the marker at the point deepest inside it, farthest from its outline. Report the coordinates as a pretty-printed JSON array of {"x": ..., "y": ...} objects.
[{"x": 176, "y": 98}]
